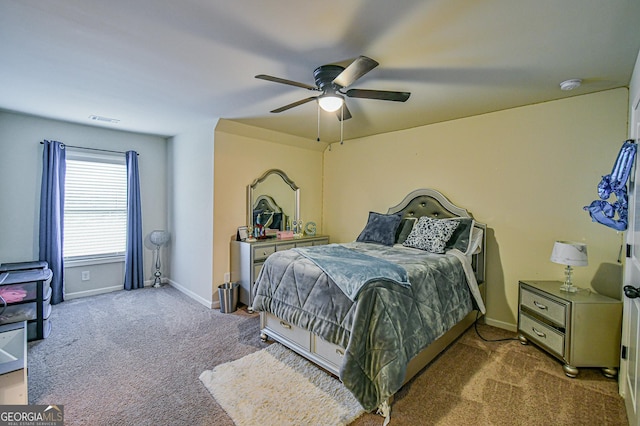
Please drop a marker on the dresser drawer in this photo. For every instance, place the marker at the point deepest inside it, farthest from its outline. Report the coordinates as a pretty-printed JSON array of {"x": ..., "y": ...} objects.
[
  {"x": 257, "y": 267},
  {"x": 545, "y": 307},
  {"x": 285, "y": 246},
  {"x": 333, "y": 354},
  {"x": 289, "y": 331},
  {"x": 542, "y": 334},
  {"x": 262, "y": 252}
]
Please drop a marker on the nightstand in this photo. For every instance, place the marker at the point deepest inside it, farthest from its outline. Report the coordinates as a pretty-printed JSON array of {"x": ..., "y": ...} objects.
[{"x": 581, "y": 329}]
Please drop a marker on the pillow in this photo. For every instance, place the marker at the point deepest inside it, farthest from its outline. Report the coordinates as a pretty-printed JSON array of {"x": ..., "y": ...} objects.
[
  {"x": 256, "y": 213},
  {"x": 277, "y": 221},
  {"x": 477, "y": 236},
  {"x": 461, "y": 237},
  {"x": 406, "y": 225},
  {"x": 431, "y": 234},
  {"x": 380, "y": 229},
  {"x": 265, "y": 219}
]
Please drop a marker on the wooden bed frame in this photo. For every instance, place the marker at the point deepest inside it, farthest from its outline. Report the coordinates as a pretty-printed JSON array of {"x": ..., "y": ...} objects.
[{"x": 421, "y": 202}]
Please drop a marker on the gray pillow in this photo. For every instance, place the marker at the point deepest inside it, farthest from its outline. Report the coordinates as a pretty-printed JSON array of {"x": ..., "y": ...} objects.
[
  {"x": 380, "y": 229},
  {"x": 461, "y": 237},
  {"x": 406, "y": 225},
  {"x": 431, "y": 234}
]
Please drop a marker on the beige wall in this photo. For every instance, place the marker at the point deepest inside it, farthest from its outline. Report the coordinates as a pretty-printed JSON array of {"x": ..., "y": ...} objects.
[
  {"x": 239, "y": 160},
  {"x": 525, "y": 172}
]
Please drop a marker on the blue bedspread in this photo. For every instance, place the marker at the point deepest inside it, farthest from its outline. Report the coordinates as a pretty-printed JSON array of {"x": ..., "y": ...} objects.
[{"x": 351, "y": 270}]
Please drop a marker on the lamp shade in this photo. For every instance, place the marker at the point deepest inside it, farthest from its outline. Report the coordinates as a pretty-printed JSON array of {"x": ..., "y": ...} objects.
[
  {"x": 569, "y": 253},
  {"x": 330, "y": 102},
  {"x": 159, "y": 238}
]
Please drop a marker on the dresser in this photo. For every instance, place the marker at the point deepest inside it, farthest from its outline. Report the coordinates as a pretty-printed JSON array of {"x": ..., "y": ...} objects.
[
  {"x": 247, "y": 259},
  {"x": 582, "y": 329}
]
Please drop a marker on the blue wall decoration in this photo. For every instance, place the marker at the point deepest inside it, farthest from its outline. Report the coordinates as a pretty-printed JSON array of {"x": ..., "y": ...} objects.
[{"x": 603, "y": 211}]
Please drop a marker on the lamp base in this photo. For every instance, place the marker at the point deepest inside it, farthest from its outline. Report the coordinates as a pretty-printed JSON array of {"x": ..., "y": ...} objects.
[
  {"x": 568, "y": 287},
  {"x": 568, "y": 282}
]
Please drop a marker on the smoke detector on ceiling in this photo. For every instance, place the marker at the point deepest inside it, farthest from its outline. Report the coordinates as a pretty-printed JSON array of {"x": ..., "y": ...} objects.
[{"x": 574, "y": 83}]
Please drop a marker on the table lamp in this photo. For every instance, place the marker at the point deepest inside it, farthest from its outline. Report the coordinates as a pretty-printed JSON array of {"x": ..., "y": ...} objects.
[{"x": 570, "y": 254}]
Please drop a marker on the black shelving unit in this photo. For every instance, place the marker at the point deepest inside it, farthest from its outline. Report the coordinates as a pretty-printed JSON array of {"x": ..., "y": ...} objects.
[{"x": 25, "y": 295}]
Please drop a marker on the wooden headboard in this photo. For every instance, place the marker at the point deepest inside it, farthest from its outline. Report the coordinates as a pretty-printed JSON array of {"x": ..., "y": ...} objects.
[{"x": 431, "y": 203}]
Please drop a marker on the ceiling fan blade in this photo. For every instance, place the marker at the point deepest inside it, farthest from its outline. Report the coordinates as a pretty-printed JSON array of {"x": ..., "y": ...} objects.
[
  {"x": 383, "y": 95},
  {"x": 347, "y": 113},
  {"x": 295, "y": 104},
  {"x": 354, "y": 71},
  {"x": 285, "y": 81}
]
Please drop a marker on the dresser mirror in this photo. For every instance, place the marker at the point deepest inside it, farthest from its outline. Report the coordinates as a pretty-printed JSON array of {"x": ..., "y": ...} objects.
[{"x": 273, "y": 200}]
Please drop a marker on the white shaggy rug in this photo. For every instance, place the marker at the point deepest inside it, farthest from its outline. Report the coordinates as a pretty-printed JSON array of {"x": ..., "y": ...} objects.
[{"x": 277, "y": 386}]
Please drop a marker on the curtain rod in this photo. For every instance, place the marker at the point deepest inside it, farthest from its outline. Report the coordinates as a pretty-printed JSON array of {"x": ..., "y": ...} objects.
[{"x": 91, "y": 149}]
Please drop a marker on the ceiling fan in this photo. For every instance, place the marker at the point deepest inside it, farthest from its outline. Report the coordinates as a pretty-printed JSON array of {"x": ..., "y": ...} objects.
[{"x": 331, "y": 80}]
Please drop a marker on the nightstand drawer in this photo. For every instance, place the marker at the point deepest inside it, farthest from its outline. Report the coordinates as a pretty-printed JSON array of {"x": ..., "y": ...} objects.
[
  {"x": 545, "y": 307},
  {"x": 262, "y": 252},
  {"x": 542, "y": 334}
]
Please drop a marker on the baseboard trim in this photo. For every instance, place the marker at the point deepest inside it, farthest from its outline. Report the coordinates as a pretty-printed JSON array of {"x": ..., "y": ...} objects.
[
  {"x": 102, "y": 290},
  {"x": 500, "y": 324},
  {"x": 94, "y": 292},
  {"x": 208, "y": 303}
]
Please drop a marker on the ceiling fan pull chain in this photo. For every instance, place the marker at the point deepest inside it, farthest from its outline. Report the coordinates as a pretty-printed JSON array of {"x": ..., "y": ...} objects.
[
  {"x": 342, "y": 124},
  {"x": 318, "y": 139}
]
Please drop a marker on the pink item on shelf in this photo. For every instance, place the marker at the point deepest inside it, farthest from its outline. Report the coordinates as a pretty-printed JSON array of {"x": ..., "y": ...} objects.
[
  {"x": 285, "y": 235},
  {"x": 12, "y": 295}
]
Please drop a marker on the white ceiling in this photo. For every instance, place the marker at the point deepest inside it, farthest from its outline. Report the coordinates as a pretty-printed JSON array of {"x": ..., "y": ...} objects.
[{"x": 161, "y": 67}]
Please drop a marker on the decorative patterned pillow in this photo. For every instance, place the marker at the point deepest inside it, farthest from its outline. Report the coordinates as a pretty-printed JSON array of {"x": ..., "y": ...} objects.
[
  {"x": 431, "y": 234},
  {"x": 380, "y": 229}
]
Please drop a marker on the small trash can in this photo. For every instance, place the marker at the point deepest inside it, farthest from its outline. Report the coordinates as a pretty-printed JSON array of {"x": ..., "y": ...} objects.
[{"x": 228, "y": 294}]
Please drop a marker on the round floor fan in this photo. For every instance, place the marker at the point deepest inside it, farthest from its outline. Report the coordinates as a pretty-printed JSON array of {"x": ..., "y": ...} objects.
[{"x": 158, "y": 239}]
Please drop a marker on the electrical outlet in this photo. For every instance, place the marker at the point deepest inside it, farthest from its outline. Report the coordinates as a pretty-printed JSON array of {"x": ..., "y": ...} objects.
[
  {"x": 86, "y": 275},
  {"x": 227, "y": 277}
]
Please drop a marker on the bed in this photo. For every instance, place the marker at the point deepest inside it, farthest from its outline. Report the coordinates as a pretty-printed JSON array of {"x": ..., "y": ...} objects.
[{"x": 374, "y": 312}]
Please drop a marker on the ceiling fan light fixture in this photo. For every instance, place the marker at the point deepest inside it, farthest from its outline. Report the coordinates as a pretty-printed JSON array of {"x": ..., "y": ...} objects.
[
  {"x": 330, "y": 102},
  {"x": 571, "y": 84}
]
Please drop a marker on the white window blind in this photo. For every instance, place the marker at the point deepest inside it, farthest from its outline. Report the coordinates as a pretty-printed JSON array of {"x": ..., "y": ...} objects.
[{"x": 95, "y": 205}]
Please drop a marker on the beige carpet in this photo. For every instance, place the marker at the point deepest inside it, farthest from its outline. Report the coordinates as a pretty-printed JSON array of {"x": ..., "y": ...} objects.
[
  {"x": 276, "y": 386},
  {"x": 134, "y": 358},
  {"x": 503, "y": 383}
]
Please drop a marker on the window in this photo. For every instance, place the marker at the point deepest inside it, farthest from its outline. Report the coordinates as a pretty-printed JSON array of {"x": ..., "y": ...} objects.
[{"x": 95, "y": 205}]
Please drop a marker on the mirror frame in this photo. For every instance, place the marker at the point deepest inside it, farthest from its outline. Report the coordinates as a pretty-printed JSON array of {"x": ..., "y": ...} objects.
[{"x": 283, "y": 175}]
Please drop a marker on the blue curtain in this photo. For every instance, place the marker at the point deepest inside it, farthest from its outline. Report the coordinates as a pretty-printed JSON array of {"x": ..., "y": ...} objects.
[
  {"x": 52, "y": 215},
  {"x": 133, "y": 266}
]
